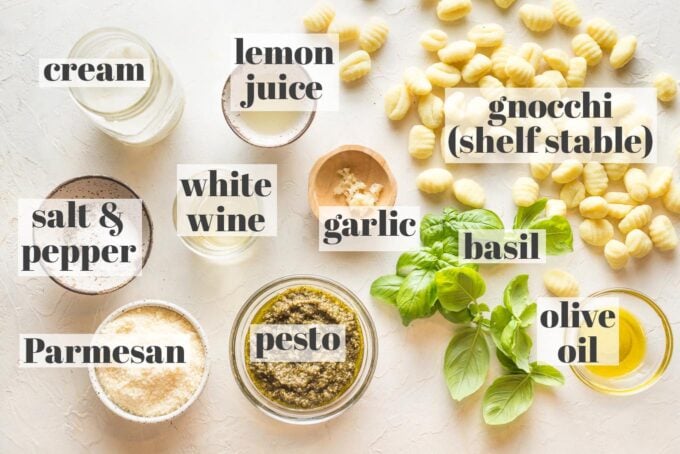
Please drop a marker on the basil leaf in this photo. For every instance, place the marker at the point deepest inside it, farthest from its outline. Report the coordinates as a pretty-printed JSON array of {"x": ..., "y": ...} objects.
[
  {"x": 463, "y": 316},
  {"x": 434, "y": 228},
  {"x": 445, "y": 227},
  {"x": 508, "y": 397},
  {"x": 417, "y": 295},
  {"x": 526, "y": 215},
  {"x": 516, "y": 294},
  {"x": 466, "y": 362},
  {"x": 506, "y": 362},
  {"x": 558, "y": 236},
  {"x": 413, "y": 260},
  {"x": 546, "y": 374},
  {"x": 528, "y": 315},
  {"x": 386, "y": 288},
  {"x": 500, "y": 317},
  {"x": 457, "y": 287},
  {"x": 478, "y": 219},
  {"x": 516, "y": 344}
]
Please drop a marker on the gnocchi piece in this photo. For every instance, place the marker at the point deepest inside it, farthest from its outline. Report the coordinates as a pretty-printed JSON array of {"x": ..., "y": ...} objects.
[
  {"x": 637, "y": 218},
  {"x": 602, "y": 32},
  {"x": 519, "y": 71},
  {"x": 636, "y": 183},
  {"x": 555, "y": 207},
  {"x": 638, "y": 243},
  {"x": 666, "y": 87},
  {"x": 623, "y": 52},
  {"x": 557, "y": 59},
  {"x": 622, "y": 105},
  {"x": 373, "y": 35},
  {"x": 557, "y": 78},
  {"x": 618, "y": 210},
  {"x": 457, "y": 52},
  {"x": 346, "y": 30},
  {"x": 536, "y": 18},
  {"x": 452, "y": 10},
  {"x": 421, "y": 141},
  {"x": 319, "y": 18},
  {"x": 593, "y": 207},
  {"x": 573, "y": 193},
  {"x": 616, "y": 170},
  {"x": 431, "y": 111},
  {"x": 616, "y": 254},
  {"x": 566, "y": 12},
  {"x": 531, "y": 52},
  {"x": 671, "y": 200},
  {"x": 525, "y": 192},
  {"x": 416, "y": 81},
  {"x": 540, "y": 170},
  {"x": 619, "y": 197},
  {"x": 659, "y": 181},
  {"x": 596, "y": 232},
  {"x": 443, "y": 75},
  {"x": 499, "y": 59},
  {"x": 578, "y": 70},
  {"x": 434, "y": 181},
  {"x": 469, "y": 192},
  {"x": 398, "y": 101},
  {"x": 505, "y": 4},
  {"x": 486, "y": 35},
  {"x": 491, "y": 87},
  {"x": 595, "y": 178},
  {"x": 478, "y": 67},
  {"x": 560, "y": 283},
  {"x": 662, "y": 233},
  {"x": 585, "y": 46},
  {"x": 355, "y": 66},
  {"x": 567, "y": 171},
  {"x": 434, "y": 39}
]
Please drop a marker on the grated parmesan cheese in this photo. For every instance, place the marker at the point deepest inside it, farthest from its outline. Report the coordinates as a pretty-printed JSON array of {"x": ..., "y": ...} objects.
[{"x": 355, "y": 191}]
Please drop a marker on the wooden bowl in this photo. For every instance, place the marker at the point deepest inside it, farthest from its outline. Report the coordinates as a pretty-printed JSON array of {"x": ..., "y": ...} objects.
[{"x": 368, "y": 166}]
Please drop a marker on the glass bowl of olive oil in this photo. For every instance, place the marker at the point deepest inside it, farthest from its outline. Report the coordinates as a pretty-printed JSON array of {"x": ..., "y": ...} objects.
[{"x": 645, "y": 346}]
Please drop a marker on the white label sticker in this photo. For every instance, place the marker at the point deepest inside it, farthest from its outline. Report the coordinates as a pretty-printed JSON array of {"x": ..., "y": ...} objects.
[
  {"x": 95, "y": 72},
  {"x": 307, "y": 343}
]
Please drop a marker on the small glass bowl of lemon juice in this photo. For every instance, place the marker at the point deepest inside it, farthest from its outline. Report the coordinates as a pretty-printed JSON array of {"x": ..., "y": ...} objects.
[{"x": 645, "y": 346}]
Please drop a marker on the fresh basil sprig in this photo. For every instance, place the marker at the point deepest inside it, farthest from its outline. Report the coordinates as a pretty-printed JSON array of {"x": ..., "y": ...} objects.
[{"x": 558, "y": 235}]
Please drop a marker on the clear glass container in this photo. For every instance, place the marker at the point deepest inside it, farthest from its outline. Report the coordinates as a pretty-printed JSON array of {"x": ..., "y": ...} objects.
[
  {"x": 280, "y": 412},
  {"x": 133, "y": 115}
]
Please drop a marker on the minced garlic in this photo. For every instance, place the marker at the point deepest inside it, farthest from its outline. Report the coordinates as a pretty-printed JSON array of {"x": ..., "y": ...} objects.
[
  {"x": 156, "y": 390},
  {"x": 355, "y": 191}
]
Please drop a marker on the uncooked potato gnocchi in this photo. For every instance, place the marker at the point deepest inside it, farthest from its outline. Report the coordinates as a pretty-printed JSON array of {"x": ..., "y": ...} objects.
[
  {"x": 519, "y": 71},
  {"x": 346, "y": 30},
  {"x": 421, "y": 141},
  {"x": 434, "y": 181},
  {"x": 416, "y": 81},
  {"x": 486, "y": 35},
  {"x": 557, "y": 59},
  {"x": 623, "y": 51},
  {"x": 671, "y": 200},
  {"x": 616, "y": 254},
  {"x": 659, "y": 181},
  {"x": 662, "y": 233},
  {"x": 573, "y": 193},
  {"x": 555, "y": 207},
  {"x": 585, "y": 46},
  {"x": 476, "y": 68},
  {"x": 431, "y": 111},
  {"x": 434, "y": 39},
  {"x": 457, "y": 52},
  {"x": 638, "y": 243},
  {"x": 373, "y": 35},
  {"x": 536, "y": 18},
  {"x": 452, "y": 10},
  {"x": 560, "y": 283},
  {"x": 398, "y": 101},
  {"x": 567, "y": 171},
  {"x": 596, "y": 232},
  {"x": 595, "y": 178},
  {"x": 355, "y": 66},
  {"x": 319, "y": 18},
  {"x": 576, "y": 75},
  {"x": 469, "y": 192},
  {"x": 594, "y": 207},
  {"x": 666, "y": 87},
  {"x": 637, "y": 218},
  {"x": 602, "y": 32},
  {"x": 443, "y": 75},
  {"x": 636, "y": 183},
  {"x": 525, "y": 192}
]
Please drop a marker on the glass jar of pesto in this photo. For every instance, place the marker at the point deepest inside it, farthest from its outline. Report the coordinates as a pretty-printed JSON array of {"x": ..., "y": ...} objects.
[{"x": 309, "y": 381}]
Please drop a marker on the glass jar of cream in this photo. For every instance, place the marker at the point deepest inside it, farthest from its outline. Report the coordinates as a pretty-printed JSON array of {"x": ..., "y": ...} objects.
[{"x": 134, "y": 115}]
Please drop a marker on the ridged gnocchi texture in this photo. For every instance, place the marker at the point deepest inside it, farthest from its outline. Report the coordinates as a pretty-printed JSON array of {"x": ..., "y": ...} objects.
[
  {"x": 421, "y": 140},
  {"x": 595, "y": 178},
  {"x": 431, "y": 111},
  {"x": 525, "y": 192},
  {"x": 486, "y": 35},
  {"x": 476, "y": 68},
  {"x": 602, "y": 32},
  {"x": 659, "y": 181},
  {"x": 536, "y": 18},
  {"x": 662, "y": 233},
  {"x": 616, "y": 254},
  {"x": 355, "y": 66},
  {"x": 557, "y": 78},
  {"x": 540, "y": 170},
  {"x": 443, "y": 75},
  {"x": 452, "y": 10},
  {"x": 519, "y": 71},
  {"x": 671, "y": 200},
  {"x": 434, "y": 39},
  {"x": 499, "y": 59},
  {"x": 637, "y": 218},
  {"x": 593, "y": 207},
  {"x": 557, "y": 59},
  {"x": 457, "y": 52},
  {"x": 573, "y": 193},
  {"x": 560, "y": 283},
  {"x": 469, "y": 192},
  {"x": 578, "y": 70},
  {"x": 616, "y": 170},
  {"x": 567, "y": 13},
  {"x": 585, "y": 46},
  {"x": 490, "y": 87},
  {"x": 618, "y": 210},
  {"x": 434, "y": 181},
  {"x": 555, "y": 207},
  {"x": 374, "y": 34},
  {"x": 596, "y": 232},
  {"x": 636, "y": 183},
  {"x": 416, "y": 81},
  {"x": 619, "y": 197},
  {"x": 319, "y": 18},
  {"x": 504, "y": 3},
  {"x": 398, "y": 101},
  {"x": 567, "y": 171},
  {"x": 666, "y": 87},
  {"x": 346, "y": 30},
  {"x": 638, "y": 243},
  {"x": 531, "y": 52},
  {"x": 623, "y": 51}
]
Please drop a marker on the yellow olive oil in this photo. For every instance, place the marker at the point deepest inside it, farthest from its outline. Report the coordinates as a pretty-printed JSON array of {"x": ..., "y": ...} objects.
[{"x": 632, "y": 348}]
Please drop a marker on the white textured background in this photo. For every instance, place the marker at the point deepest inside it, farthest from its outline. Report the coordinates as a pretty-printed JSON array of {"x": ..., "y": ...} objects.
[{"x": 44, "y": 140}]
